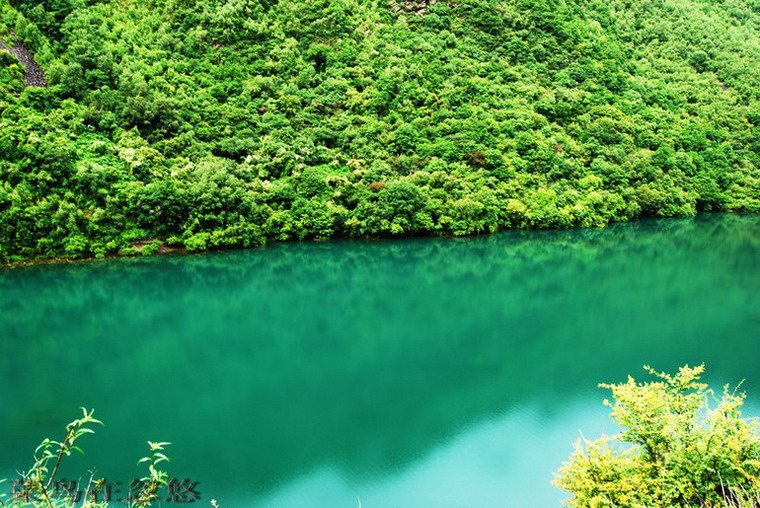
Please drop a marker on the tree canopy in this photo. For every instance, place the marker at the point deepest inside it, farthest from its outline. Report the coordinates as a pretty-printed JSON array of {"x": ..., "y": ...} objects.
[{"x": 211, "y": 123}]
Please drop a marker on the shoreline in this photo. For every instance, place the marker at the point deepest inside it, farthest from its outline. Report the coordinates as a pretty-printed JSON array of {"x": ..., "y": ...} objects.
[{"x": 165, "y": 250}]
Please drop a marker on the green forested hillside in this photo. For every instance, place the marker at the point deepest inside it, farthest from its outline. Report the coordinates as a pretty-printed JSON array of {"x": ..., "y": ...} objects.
[{"x": 211, "y": 123}]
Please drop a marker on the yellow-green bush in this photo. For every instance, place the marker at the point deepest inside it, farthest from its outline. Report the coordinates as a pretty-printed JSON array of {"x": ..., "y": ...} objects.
[{"x": 675, "y": 448}]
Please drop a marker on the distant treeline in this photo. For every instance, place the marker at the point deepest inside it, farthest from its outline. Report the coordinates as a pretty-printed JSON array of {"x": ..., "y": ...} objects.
[{"x": 208, "y": 124}]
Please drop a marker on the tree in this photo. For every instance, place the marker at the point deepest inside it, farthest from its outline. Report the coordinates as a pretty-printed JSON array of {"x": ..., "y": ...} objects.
[{"x": 675, "y": 450}]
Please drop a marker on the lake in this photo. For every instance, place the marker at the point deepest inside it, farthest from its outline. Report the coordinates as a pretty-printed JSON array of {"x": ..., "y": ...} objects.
[{"x": 398, "y": 373}]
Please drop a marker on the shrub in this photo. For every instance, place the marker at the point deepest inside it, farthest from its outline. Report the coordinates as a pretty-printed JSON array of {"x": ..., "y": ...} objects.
[{"x": 675, "y": 450}]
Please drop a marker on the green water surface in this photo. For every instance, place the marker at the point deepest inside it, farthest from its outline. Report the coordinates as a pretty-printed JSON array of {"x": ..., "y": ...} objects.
[{"x": 400, "y": 373}]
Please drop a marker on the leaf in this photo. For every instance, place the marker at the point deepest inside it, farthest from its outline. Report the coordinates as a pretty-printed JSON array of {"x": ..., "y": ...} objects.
[
  {"x": 157, "y": 446},
  {"x": 83, "y": 431}
]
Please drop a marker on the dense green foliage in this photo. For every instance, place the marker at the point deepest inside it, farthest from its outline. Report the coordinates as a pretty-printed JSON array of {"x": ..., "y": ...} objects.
[
  {"x": 681, "y": 452},
  {"x": 208, "y": 124}
]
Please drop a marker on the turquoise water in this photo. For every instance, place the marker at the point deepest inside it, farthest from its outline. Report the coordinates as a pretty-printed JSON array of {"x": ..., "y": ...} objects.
[{"x": 402, "y": 373}]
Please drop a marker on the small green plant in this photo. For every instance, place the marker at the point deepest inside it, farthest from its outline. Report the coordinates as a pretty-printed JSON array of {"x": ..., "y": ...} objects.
[
  {"x": 674, "y": 449},
  {"x": 37, "y": 483},
  {"x": 37, "y": 487},
  {"x": 156, "y": 478}
]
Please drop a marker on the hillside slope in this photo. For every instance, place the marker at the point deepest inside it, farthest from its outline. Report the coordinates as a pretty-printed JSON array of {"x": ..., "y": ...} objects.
[{"x": 211, "y": 124}]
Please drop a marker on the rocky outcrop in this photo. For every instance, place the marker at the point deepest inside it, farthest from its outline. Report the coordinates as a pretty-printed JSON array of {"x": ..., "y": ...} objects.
[{"x": 33, "y": 73}]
